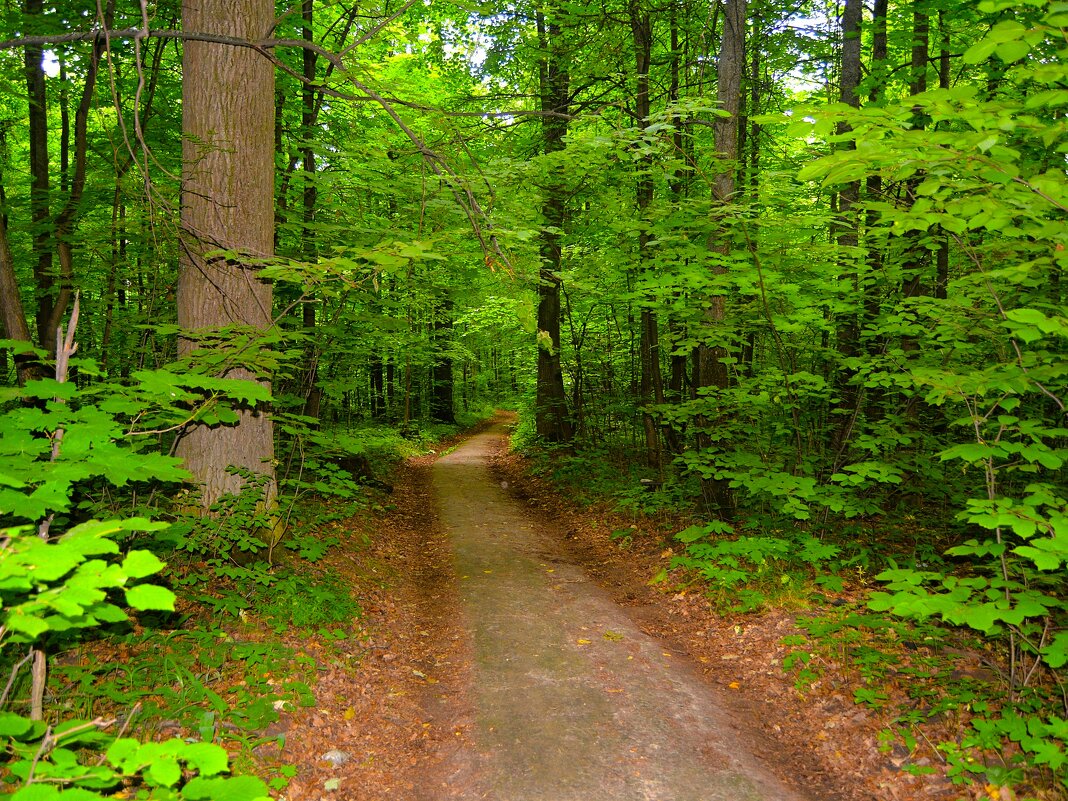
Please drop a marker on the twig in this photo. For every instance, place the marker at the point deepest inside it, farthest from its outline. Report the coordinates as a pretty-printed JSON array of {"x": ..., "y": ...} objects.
[{"x": 14, "y": 673}]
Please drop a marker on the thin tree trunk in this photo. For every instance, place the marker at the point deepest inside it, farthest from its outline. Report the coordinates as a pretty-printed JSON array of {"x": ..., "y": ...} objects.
[
  {"x": 873, "y": 186},
  {"x": 846, "y": 234},
  {"x": 917, "y": 257},
  {"x": 652, "y": 384},
  {"x": 942, "y": 256},
  {"x": 441, "y": 395},
  {"x": 40, "y": 184},
  {"x": 711, "y": 367},
  {"x": 65, "y": 220}
]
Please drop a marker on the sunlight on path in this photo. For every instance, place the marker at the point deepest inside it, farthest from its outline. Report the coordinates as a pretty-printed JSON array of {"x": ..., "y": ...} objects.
[{"x": 573, "y": 702}]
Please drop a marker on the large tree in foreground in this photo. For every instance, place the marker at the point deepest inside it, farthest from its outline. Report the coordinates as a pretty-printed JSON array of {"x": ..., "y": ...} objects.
[{"x": 227, "y": 223}]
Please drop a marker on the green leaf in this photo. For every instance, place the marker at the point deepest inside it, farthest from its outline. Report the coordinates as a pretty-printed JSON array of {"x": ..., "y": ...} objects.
[
  {"x": 139, "y": 564},
  {"x": 149, "y": 596},
  {"x": 12, "y": 725},
  {"x": 30, "y": 626},
  {"x": 207, "y": 759},
  {"x": 1056, "y": 653},
  {"x": 692, "y": 534},
  {"x": 1043, "y": 559},
  {"x": 980, "y": 51},
  {"x": 236, "y": 788},
  {"x": 164, "y": 771},
  {"x": 1010, "y": 52}
]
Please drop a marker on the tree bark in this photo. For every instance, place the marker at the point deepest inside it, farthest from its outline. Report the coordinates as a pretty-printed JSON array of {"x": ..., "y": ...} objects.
[
  {"x": 441, "y": 395},
  {"x": 652, "y": 382},
  {"x": 12, "y": 316},
  {"x": 711, "y": 368},
  {"x": 552, "y": 421},
  {"x": 227, "y": 204},
  {"x": 309, "y": 251},
  {"x": 845, "y": 230},
  {"x": 40, "y": 185}
]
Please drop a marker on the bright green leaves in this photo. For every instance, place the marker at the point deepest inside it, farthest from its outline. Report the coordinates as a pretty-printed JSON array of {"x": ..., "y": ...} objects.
[
  {"x": 162, "y": 769},
  {"x": 983, "y": 604},
  {"x": 148, "y": 596},
  {"x": 1010, "y": 40},
  {"x": 59, "y": 585},
  {"x": 49, "y": 449},
  {"x": 746, "y": 570},
  {"x": 1032, "y": 325},
  {"x": 69, "y": 583},
  {"x": 163, "y": 761}
]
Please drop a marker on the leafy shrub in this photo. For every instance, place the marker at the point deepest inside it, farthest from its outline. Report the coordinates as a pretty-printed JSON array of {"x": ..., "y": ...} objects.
[
  {"x": 51, "y": 588},
  {"x": 298, "y": 601},
  {"x": 743, "y": 572}
]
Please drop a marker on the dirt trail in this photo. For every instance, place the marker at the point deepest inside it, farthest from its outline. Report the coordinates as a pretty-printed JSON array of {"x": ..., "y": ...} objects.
[{"x": 572, "y": 701}]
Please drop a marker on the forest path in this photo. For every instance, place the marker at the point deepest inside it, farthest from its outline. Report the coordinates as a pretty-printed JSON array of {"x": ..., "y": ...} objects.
[{"x": 572, "y": 701}]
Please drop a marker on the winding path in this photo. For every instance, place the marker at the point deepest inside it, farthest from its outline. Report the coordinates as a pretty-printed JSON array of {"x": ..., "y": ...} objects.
[{"x": 572, "y": 701}]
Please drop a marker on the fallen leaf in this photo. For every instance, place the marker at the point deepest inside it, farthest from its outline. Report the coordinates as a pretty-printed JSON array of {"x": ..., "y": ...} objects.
[{"x": 583, "y": 642}]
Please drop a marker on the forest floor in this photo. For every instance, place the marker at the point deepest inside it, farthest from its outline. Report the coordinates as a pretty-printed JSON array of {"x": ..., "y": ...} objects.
[{"x": 417, "y": 707}]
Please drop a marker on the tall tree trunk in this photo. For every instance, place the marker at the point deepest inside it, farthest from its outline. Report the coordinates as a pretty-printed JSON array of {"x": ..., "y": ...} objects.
[
  {"x": 309, "y": 251},
  {"x": 917, "y": 257},
  {"x": 65, "y": 220},
  {"x": 40, "y": 185},
  {"x": 711, "y": 367},
  {"x": 873, "y": 185},
  {"x": 845, "y": 230},
  {"x": 227, "y": 198},
  {"x": 942, "y": 256},
  {"x": 679, "y": 185},
  {"x": 442, "y": 389},
  {"x": 118, "y": 255},
  {"x": 652, "y": 383},
  {"x": 552, "y": 422}
]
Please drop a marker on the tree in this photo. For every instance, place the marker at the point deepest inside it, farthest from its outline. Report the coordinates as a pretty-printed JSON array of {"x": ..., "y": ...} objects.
[
  {"x": 227, "y": 229},
  {"x": 711, "y": 362},
  {"x": 552, "y": 423}
]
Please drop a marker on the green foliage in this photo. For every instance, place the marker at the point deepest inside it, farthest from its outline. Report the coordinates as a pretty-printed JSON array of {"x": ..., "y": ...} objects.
[
  {"x": 62, "y": 585},
  {"x": 47, "y": 765},
  {"x": 306, "y": 603},
  {"x": 745, "y": 572},
  {"x": 58, "y": 586}
]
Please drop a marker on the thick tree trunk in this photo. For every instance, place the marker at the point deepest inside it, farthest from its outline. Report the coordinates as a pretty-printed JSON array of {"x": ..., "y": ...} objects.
[
  {"x": 227, "y": 204},
  {"x": 552, "y": 421},
  {"x": 12, "y": 316}
]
